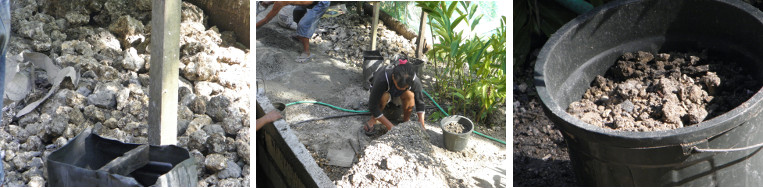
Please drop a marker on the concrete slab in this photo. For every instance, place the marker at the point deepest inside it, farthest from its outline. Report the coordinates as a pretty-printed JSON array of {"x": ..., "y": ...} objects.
[{"x": 341, "y": 157}]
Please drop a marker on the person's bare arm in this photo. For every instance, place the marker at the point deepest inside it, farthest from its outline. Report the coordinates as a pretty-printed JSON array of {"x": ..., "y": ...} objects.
[
  {"x": 269, "y": 117},
  {"x": 421, "y": 119},
  {"x": 277, "y": 7}
]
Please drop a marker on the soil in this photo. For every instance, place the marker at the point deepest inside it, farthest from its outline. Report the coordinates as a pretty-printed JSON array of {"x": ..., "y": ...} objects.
[
  {"x": 454, "y": 127},
  {"x": 334, "y": 76},
  {"x": 540, "y": 152},
  {"x": 647, "y": 92}
]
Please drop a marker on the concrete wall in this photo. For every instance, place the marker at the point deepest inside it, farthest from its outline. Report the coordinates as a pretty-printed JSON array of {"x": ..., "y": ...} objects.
[{"x": 281, "y": 158}]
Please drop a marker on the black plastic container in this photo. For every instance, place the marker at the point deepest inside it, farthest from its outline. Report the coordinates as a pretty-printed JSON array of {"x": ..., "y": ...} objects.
[
  {"x": 90, "y": 160},
  {"x": 372, "y": 61},
  {"x": 588, "y": 45}
]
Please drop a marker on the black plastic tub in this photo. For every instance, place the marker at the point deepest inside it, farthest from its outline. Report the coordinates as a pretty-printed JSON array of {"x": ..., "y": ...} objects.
[
  {"x": 90, "y": 160},
  {"x": 372, "y": 61},
  {"x": 722, "y": 151}
]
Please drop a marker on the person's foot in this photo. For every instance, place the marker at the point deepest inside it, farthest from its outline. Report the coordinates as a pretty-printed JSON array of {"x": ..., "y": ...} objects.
[{"x": 304, "y": 57}]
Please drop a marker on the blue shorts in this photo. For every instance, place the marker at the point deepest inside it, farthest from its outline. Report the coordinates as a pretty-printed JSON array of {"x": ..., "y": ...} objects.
[{"x": 308, "y": 23}]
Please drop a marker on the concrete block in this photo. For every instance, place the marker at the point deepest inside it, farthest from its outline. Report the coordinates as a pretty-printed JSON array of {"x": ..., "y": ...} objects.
[{"x": 341, "y": 157}]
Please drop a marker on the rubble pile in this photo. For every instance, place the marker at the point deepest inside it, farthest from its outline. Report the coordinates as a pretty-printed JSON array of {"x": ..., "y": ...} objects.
[
  {"x": 107, "y": 42},
  {"x": 345, "y": 37}
]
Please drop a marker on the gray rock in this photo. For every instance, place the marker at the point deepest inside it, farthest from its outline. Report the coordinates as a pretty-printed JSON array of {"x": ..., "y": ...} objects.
[
  {"x": 121, "y": 98},
  {"x": 187, "y": 99},
  {"x": 33, "y": 143},
  {"x": 36, "y": 181},
  {"x": 198, "y": 105},
  {"x": 242, "y": 144},
  {"x": 126, "y": 25},
  {"x": 94, "y": 113},
  {"x": 232, "y": 171},
  {"x": 60, "y": 142},
  {"x": 215, "y": 162},
  {"x": 184, "y": 118},
  {"x": 29, "y": 118},
  {"x": 77, "y": 47},
  {"x": 213, "y": 129},
  {"x": 198, "y": 122},
  {"x": 36, "y": 163},
  {"x": 104, "y": 95},
  {"x": 627, "y": 105},
  {"x": 182, "y": 92},
  {"x": 111, "y": 123},
  {"x": 56, "y": 128},
  {"x": 132, "y": 61},
  {"x": 216, "y": 108},
  {"x": 216, "y": 143},
  {"x": 35, "y": 128},
  {"x": 17, "y": 132},
  {"x": 232, "y": 125},
  {"x": 229, "y": 183},
  {"x": 200, "y": 67},
  {"x": 199, "y": 158},
  {"x": 206, "y": 88},
  {"x": 198, "y": 140}
]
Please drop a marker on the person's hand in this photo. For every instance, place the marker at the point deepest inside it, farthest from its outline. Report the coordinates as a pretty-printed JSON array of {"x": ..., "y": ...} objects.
[
  {"x": 268, "y": 118},
  {"x": 272, "y": 116}
]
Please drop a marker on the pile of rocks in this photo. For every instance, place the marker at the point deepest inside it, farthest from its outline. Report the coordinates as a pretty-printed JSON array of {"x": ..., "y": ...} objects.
[
  {"x": 345, "y": 37},
  {"x": 107, "y": 42}
]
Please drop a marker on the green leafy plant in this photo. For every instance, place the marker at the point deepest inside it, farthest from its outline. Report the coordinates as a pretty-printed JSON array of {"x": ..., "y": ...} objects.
[{"x": 473, "y": 71}]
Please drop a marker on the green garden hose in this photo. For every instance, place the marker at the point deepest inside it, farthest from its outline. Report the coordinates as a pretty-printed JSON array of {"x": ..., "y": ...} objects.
[
  {"x": 366, "y": 111},
  {"x": 332, "y": 106}
]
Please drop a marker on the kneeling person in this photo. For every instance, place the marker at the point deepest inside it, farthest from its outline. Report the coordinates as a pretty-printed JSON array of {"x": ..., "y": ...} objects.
[{"x": 396, "y": 84}]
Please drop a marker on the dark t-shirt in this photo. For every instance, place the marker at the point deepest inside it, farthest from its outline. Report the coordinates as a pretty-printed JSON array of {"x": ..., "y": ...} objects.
[{"x": 382, "y": 82}]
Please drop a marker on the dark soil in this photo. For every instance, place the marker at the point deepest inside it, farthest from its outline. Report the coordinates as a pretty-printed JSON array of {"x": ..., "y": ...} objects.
[
  {"x": 540, "y": 152},
  {"x": 646, "y": 92},
  {"x": 454, "y": 127}
]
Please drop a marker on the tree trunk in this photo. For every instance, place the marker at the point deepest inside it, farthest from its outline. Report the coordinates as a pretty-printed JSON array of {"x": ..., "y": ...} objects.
[{"x": 230, "y": 15}]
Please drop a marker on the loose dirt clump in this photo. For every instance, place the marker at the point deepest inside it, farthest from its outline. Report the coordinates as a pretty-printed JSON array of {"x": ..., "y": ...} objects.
[
  {"x": 454, "y": 127},
  {"x": 646, "y": 92}
]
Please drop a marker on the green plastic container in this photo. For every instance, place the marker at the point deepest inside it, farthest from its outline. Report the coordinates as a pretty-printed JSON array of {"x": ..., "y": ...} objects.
[{"x": 456, "y": 141}]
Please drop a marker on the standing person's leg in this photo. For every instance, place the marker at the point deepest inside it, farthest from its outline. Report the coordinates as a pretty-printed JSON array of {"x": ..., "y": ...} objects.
[
  {"x": 408, "y": 104},
  {"x": 307, "y": 25}
]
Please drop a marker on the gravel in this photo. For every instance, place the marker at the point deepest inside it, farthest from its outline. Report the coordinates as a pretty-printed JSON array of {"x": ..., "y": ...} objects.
[
  {"x": 107, "y": 42},
  {"x": 646, "y": 92},
  {"x": 454, "y": 127},
  {"x": 540, "y": 155}
]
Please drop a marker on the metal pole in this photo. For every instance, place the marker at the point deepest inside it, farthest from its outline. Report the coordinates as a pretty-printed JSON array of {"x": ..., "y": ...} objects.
[
  {"x": 163, "y": 91},
  {"x": 375, "y": 22},
  {"x": 420, "y": 39}
]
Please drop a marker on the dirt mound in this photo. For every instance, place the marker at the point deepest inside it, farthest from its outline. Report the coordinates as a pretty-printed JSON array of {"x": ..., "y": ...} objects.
[
  {"x": 644, "y": 92},
  {"x": 403, "y": 157}
]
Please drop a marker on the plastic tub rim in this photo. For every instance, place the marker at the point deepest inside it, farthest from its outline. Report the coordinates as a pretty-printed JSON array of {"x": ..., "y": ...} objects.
[
  {"x": 551, "y": 104},
  {"x": 456, "y": 118}
]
